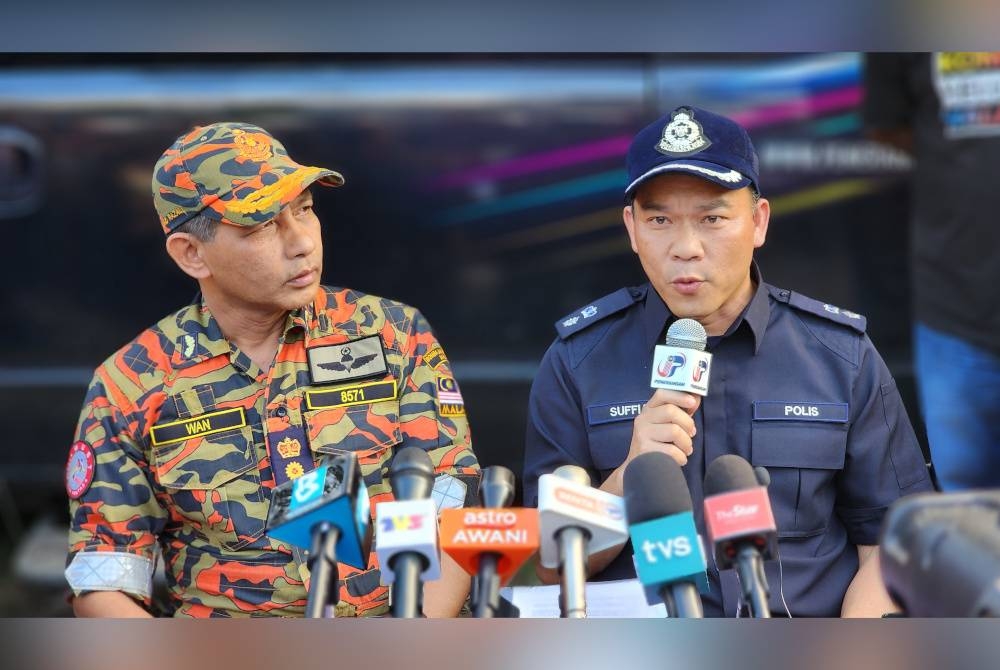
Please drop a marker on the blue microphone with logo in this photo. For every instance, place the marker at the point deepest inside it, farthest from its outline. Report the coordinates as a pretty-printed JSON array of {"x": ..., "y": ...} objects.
[
  {"x": 327, "y": 512},
  {"x": 669, "y": 558}
]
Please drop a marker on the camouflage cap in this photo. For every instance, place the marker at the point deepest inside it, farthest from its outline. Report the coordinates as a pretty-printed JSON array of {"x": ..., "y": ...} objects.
[{"x": 235, "y": 173}]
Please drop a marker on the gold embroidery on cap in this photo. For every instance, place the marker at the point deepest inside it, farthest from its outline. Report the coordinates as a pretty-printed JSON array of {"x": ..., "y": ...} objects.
[
  {"x": 253, "y": 146},
  {"x": 264, "y": 198}
]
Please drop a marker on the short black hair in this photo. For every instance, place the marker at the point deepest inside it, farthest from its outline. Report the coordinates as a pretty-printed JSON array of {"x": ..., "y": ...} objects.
[{"x": 200, "y": 227}]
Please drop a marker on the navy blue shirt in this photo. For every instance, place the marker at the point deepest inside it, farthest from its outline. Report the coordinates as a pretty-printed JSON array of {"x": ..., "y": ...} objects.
[{"x": 796, "y": 386}]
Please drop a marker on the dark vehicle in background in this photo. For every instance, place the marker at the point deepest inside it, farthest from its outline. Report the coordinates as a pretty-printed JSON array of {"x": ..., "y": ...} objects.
[{"x": 484, "y": 190}]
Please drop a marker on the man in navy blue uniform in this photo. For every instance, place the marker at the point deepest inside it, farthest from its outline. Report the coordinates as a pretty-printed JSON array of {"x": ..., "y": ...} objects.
[{"x": 796, "y": 385}]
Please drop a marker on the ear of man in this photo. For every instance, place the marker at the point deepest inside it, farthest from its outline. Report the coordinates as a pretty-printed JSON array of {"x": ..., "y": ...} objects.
[{"x": 187, "y": 252}]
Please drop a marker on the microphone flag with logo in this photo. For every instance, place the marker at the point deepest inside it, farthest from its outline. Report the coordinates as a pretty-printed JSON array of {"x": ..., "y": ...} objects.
[{"x": 682, "y": 364}]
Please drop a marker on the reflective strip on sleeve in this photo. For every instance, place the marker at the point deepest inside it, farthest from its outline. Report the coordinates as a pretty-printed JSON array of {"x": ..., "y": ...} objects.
[{"x": 111, "y": 571}]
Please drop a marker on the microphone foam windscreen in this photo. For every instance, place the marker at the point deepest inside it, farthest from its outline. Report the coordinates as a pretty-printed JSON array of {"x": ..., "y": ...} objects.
[
  {"x": 654, "y": 487},
  {"x": 412, "y": 459},
  {"x": 729, "y": 473},
  {"x": 411, "y": 473},
  {"x": 687, "y": 333},
  {"x": 496, "y": 487}
]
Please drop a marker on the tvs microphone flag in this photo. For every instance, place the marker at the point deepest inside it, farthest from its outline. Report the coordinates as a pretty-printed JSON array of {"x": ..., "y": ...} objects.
[
  {"x": 682, "y": 364},
  {"x": 669, "y": 559}
]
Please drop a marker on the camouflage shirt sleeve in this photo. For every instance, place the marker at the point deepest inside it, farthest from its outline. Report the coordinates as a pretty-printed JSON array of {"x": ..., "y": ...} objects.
[
  {"x": 432, "y": 416},
  {"x": 115, "y": 517}
]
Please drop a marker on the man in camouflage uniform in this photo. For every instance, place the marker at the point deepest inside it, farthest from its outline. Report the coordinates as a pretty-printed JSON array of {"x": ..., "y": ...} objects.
[{"x": 186, "y": 430}]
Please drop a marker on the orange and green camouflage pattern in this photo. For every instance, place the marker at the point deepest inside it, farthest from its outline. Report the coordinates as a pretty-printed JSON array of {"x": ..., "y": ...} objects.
[
  {"x": 181, "y": 423},
  {"x": 233, "y": 172}
]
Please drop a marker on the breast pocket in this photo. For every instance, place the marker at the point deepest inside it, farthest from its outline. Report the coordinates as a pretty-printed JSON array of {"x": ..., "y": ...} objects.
[
  {"x": 803, "y": 459},
  {"x": 366, "y": 425},
  {"x": 214, "y": 484},
  {"x": 609, "y": 444}
]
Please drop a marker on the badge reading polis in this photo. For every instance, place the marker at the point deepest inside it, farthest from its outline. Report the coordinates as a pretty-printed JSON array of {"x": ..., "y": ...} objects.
[
  {"x": 79, "y": 469},
  {"x": 683, "y": 135},
  {"x": 356, "y": 359}
]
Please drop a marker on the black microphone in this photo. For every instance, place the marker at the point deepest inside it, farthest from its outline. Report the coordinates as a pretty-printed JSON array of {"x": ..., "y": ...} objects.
[
  {"x": 411, "y": 476},
  {"x": 669, "y": 559},
  {"x": 496, "y": 488},
  {"x": 741, "y": 526},
  {"x": 940, "y": 554}
]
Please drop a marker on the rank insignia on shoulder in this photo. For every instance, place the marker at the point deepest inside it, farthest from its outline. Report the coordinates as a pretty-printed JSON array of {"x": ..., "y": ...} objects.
[
  {"x": 79, "y": 469},
  {"x": 356, "y": 359},
  {"x": 594, "y": 312},
  {"x": 831, "y": 312}
]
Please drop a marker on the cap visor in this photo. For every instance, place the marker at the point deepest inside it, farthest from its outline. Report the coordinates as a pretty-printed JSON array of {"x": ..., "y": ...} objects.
[
  {"x": 264, "y": 203},
  {"x": 330, "y": 178},
  {"x": 713, "y": 172}
]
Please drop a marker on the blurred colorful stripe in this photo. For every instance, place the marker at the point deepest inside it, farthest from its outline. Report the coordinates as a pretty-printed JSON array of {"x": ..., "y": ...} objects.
[{"x": 823, "y": 91}]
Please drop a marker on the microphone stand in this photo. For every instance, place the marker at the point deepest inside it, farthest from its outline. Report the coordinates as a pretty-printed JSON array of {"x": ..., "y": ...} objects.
[
  {"x": 753, "y": 582},
  {"x": 572, "y": 572},
  {"x": 407, "y": 591},
  {"x": 322, "y": 562}
]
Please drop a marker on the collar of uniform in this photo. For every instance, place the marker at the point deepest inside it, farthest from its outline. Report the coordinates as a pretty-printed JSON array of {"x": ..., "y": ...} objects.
[
  {"x": 758, "y": 314},
  {"x": 313, "y": 318},
  {"x": 298, "y": 319},
  {"x": 199, "y": 336},
  {"x": 654, "y": 317},
  {"x": 656, "y": 314}
]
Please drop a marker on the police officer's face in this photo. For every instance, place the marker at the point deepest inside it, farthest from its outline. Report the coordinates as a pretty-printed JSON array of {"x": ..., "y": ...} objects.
[
  {"x": 695, "y": 241},
  {"x": 272, "y": 266}
]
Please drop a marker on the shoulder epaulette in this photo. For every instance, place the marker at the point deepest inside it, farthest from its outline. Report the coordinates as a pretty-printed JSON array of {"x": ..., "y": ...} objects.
[
  {"x": 825, "y": 310},
  {"x": 597, "y": 310}
]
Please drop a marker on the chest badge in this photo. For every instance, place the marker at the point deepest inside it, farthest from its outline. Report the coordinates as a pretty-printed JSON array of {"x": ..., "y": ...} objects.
[
  {"x": 356, "y": 359},
  {"x": 289, "y": 447}
]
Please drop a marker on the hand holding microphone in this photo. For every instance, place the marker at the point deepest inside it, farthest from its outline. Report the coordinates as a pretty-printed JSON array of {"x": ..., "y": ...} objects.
[
  {"x": 680, "y": 372},
  {"x": 665, "y": 425}
]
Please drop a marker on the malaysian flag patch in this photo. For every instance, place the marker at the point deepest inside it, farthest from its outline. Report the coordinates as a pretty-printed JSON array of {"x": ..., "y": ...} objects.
[{"x": 449, "y": 397}]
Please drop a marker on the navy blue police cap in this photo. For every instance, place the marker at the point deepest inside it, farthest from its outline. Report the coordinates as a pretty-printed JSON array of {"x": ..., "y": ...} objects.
[{"x": 693, "y": 141}]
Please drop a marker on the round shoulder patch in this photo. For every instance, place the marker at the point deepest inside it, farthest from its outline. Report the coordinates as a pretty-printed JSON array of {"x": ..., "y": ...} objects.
[{"x": 79, "y": 469}]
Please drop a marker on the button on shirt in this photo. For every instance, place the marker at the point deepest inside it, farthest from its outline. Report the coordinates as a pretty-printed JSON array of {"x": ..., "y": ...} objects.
[{"x": 795, "y": 387}]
